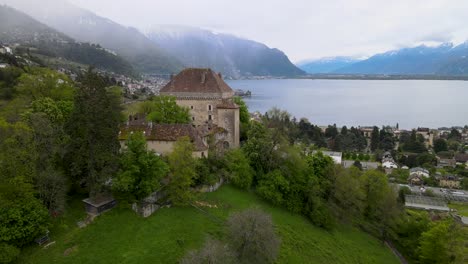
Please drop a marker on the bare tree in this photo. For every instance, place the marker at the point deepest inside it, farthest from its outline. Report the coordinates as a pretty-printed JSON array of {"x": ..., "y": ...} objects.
[
  {"x": 213, "y": 252},
  {"x": 253, "y": 237}
]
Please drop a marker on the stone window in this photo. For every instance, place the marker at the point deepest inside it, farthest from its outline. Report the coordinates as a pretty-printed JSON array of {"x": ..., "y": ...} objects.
[
  {"x": 209, "y": 108},
  {"x": 210, "y": 117},
  {"x": 193, "y": 118},
  {"x": 191, "y": 107}
]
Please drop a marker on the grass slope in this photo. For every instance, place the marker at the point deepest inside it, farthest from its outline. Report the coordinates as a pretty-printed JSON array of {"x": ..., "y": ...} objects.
[{"x": 120, "y": 236}]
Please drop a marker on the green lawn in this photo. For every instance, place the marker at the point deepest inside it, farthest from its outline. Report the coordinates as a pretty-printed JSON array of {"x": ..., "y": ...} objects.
[
  {"x": 462, "y": 208},
  {"x": 120, "y": 236}
]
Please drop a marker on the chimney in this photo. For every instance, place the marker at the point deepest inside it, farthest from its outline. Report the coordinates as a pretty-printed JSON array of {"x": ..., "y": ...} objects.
[{"x": 220, "y": 75}]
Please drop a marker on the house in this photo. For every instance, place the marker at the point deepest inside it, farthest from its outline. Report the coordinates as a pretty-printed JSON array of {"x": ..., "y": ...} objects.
[
  {"x": 336, "y": 156},
  {"x": 420, "y": 171},
  {"x": 415, "y": 179},
  {"x": 366, "y": 165},
  {"x": 449, "y": 181},
  {"x": 461, "y": 158},
  {"x": 162, "y": 137},
  {"x": 446, "y": 162},
  {"x": 209, "y": 100},
  {"x": 388, "y": 164}
]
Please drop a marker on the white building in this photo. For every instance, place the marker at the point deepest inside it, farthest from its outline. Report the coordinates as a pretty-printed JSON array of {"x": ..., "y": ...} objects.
[
  {"x": 420, "y": 172},
  {"x": 336, "y": 156}
]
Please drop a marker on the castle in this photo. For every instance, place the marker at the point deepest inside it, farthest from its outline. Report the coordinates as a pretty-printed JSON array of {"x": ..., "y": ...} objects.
[
  {"x": 214, "y": 115},
  {"x": 210, "y": 101}
]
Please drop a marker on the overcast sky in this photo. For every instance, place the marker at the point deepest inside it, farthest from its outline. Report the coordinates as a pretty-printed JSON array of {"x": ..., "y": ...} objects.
[{"x": 304, "y": 29}]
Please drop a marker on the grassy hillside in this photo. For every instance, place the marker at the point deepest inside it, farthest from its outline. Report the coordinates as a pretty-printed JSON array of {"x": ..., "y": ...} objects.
[{"x": 120, "y": 236}]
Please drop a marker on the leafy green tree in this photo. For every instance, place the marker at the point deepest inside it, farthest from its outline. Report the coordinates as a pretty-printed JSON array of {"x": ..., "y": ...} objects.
[
  {"x": 244, "y": 116},
  {"x": 239, "y": 171},
  {"x": 141, "y": 170},
  {"x": 8, "y": 253},
  {"x": 440, "y": 144},
  {"x": 17, "y": 152},
  {"x": 93, "y": 128},
  {"x": 182, "y": 172},
  {"x": 348, "y": 196},
  {"x": 164, "y": 110},
  {"x": 319, "y": 184},
  {"x": 273, "y": 187},
  {"x": 408, "y": 230},
  {"x": 381, "y": 209},
  {"x": 22, "y": 217},
  {"x": 259, "y": 148},
  {"x": 444, "y": 242},
  {"x": 252, "y": 236},
  {"x": 455, "y": 135},
  {"x": 414, "y": 143},
  {"x": 56, "y": 111},
  {"x": 43, "y": 82},
  {"x": 375, "y": 139}
]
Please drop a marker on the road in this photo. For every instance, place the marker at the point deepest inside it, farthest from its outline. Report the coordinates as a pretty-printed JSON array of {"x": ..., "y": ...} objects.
[{"x": 449, "y": 194}]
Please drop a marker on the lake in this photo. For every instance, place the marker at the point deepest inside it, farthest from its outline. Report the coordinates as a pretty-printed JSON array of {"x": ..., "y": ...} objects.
[{"x": 411, "y": 103}]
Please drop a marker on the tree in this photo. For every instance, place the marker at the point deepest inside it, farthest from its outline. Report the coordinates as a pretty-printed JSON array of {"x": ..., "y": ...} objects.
[
  {"x": 213, "y": 252},
  {"x": 408, "y": 230},
  {"x": 348, "y": 196},
  {"x": 319, "y": 183},
  {"x": 381, "y": 209},
  {"x": 259, "y": 148},
  {"x": 273, "y": 187},
  {"x": 17, "y": 152},
  {"x": 357, "y": 164},
  {"x": 375, "y": 139},
  {"x": 8, "y": 253},
  {"x": 239, "y": 171},
  {"x": 244, "y": 116},
  {"x": 253, "y": 237},
  {"x": 22, "y": 217},
  {"x": 455, "y": 135},
  {"x": 344, "y": 131},
  {"x": 93, "y": 129},
  {"x": 331, "y": 131},
  {"x": 440, "y": 144},
  {"x": 444, "y": 242},
  {"x": 165, "y": 110},
  {"x": 52, "y": 189},
  {"x": 182, "y": 171},
  {"x": 141, "y": 170}
]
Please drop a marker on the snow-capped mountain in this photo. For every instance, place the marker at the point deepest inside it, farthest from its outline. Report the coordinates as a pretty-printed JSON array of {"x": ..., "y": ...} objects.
[
  {"x": 233, "y": 56},
  {"x": 444, "y": 59}
]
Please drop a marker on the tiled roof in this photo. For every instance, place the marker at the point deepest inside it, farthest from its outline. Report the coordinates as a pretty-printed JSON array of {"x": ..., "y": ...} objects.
[
  {"x": 195, "y": 80},
  {"x": 165, "y": 132}
]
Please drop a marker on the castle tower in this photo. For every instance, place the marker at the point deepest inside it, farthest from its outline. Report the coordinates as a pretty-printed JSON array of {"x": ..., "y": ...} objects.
[{"x": 209, "y": 100}]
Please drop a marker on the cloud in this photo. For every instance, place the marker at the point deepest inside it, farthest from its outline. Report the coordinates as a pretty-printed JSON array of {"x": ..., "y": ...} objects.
[{"x": 304, "y": 29}]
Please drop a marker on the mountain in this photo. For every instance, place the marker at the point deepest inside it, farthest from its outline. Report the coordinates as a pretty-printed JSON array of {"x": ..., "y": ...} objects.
[
  {"x": 326, "y": 65},
  {"x": 48, "y": 44},
  {"x": 445, "y": 59},
  {"x": 85, "y": 26},
  {"x": 233, "y": 56}
]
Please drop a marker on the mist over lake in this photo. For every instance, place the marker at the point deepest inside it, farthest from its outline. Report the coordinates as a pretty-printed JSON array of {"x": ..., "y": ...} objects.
[{"x": 411, "y": 103}]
